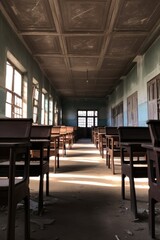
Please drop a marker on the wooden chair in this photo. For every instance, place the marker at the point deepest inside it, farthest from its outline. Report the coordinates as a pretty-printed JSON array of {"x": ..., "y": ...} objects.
[
  {"x": 112, "y": 147},
  {"x": 62, "y": 135},
  {"x": 99, "y": 130},
  {"x": 135, "y": 166},
  {"x": 39, "y": 162},
  {"x": 102, "y": 140},
  {"x": 14, "y": 146},
  {"x": 39, "y": 159},
  {"x": 153, "y": 158},
  {"x": 70, "y": 136},
  {"x": 54, "y": 149},
  {"x": 95, "y": 136}
]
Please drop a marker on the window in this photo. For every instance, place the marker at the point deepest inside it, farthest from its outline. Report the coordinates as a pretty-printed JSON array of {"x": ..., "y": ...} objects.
[
  {"x": 153, "y": 90},
  {"x": 44, "y": 107},
  {"x": 56, "y": 112},
  {"x": 50, "y": 110},
  {"x": 35, "y": 100},
  {"x": 87, "y": 118},
  {"x": 14, "y": 92}
]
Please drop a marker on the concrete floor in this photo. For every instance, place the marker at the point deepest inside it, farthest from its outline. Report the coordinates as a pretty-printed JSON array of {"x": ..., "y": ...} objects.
[{"x": 84, "y": 203}]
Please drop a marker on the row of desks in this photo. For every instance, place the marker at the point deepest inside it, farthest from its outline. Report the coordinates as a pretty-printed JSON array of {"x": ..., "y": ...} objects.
[
  {"x": 41, "y": 150},
  {"x": 131, "y": 150},
  {"x": 47, "y": 148}
]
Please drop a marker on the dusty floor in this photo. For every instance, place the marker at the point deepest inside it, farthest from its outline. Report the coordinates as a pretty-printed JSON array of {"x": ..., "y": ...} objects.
[{"x": 84, "y": 203}]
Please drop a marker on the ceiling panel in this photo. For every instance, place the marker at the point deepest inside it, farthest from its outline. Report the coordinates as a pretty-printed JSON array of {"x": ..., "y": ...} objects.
[
  {"x": 81, "y": 63},
  {"x": 84, "y": 47},
  {"x": 51, "y": 62},
  {"x": 138, "y": 15},
  {"x": 125, "y": 44},
  {"x": 84, "y": 16},
  {"x": 43, "y": 44},
  {"x": 29, "y": 15}
]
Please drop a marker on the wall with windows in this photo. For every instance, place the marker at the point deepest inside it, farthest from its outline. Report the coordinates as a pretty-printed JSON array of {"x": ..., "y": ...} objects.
[
  {"x": 12, "y": 48},
  {"x": 146, "y": 67},
  {"x": 70, "y": 107}
]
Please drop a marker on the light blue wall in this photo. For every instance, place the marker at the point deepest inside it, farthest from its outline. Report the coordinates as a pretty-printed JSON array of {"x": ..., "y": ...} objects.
[
  {"x": 10, "y": 42},
  {"x": 146, "y": 67}
]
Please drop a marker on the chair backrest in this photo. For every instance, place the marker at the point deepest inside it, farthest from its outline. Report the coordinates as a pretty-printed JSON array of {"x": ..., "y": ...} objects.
[
  {"x": 41, "y": 132},
  {"x": 111, "y": 131},
  {"x": 63, "y": 130},
  {"x": 134, "y": 134},
  {"x": 154, "y": 128},
  {"x": 55, "y": 130},
  {"x": 101, "y": 130},
  {"x": 69, "y": 129},
  {"x": 15, "y": 129}
]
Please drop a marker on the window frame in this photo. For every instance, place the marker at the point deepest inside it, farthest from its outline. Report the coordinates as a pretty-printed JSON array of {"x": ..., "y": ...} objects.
[
  {"x": 14, "y": 106},
  {"x": 85, "y": 118},
  {"x": 35, "y": 100},
  {"x": 50, "y": 106},
  {"x": 44, "y": 107}
]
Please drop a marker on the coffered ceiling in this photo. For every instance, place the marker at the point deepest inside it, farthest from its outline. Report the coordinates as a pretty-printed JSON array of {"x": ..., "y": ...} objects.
[{"x": 84, "y": 47}]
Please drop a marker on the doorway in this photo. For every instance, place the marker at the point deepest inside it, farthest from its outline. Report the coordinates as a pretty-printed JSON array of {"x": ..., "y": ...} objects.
[{"x": 86, "y": 119}]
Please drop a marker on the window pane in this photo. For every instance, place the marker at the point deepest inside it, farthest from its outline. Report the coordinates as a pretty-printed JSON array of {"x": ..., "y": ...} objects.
[
  {"x": 50, "y": 111},
  {"x": 9, "y": 97},
  {"x": 18, "y": 101},
  {"x": 50, "y": 105},
  {"x": 81, "y": 113},
  {"x": 8, "y": 110},
  {"x": 17, "y": 83},
  {"x": 96, "y": 122},
  {"x": 90, "y": 121},
  {"x": 96, "y": 113},
  {"x": 46, "y": 109},
  {"x": 9, "y": 76},
  {"x": 34, "y": 118},
  {"x": 36, "y": 93},
  {"x": 81, "y": 122},
  {"x": 90, "y": 113},
  {"x": 35, "y": 98},
  {"x": 35, "y": 110}
]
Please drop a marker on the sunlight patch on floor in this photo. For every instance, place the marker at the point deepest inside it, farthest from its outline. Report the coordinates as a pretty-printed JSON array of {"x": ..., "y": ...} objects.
[
  {"x": 89, "y": 183},
  {"x": 84, "y": 160},
  {"x": 105, "y": 181}
]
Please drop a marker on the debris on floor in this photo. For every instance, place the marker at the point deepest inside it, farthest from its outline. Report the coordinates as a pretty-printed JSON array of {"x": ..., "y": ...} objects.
[
  {"x": 130, "y": 233},
  {"x": 41, "y": 222},
  {"x": 117, "y": 238},
  {"x": 50, "y": 200},
  {"x": 3, "y": 227},
  {"x": 33, "y": 205}
]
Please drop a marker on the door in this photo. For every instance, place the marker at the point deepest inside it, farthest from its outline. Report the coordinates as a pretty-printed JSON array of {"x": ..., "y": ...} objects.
[
  {"x": 132, "y": 110},
  {"x": 86, "y": 120}
]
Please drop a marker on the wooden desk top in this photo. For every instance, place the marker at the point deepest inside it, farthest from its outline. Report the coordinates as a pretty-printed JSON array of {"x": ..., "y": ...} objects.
[
  {"x": 14, "y": 144},
  {"x": 115, "y": 136}
]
